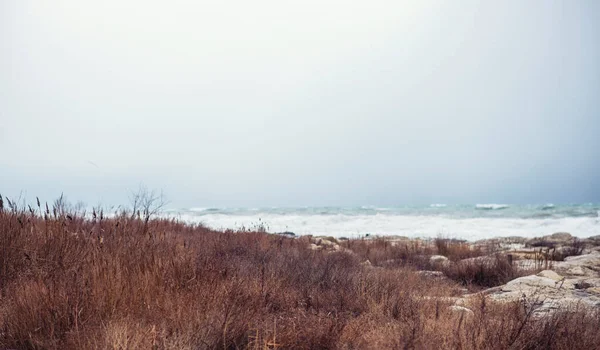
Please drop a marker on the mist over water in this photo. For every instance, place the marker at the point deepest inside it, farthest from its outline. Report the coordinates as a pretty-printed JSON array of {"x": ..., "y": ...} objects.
[
  {"x": 330, "y": 104},
  {"x": 469, "y": 222}
]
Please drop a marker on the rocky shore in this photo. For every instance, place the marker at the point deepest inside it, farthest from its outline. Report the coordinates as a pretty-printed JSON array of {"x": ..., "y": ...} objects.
[{"x": 560, "y": 271}]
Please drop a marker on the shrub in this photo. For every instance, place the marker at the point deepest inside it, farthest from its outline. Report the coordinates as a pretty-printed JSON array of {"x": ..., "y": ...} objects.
[
  {"x": 484, "y": 271},
  {"x": 456, "y": 250}
]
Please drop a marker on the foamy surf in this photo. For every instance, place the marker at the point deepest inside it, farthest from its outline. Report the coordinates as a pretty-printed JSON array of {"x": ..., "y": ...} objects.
[
  {"x": 491, "y": 206},
  {"x": 410, "y": 226},
  {"x": 465, "y": 222}
]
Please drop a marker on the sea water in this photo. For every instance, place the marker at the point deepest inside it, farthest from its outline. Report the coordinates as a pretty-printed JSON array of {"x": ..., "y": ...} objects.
[{"x": 471, "y": 222}]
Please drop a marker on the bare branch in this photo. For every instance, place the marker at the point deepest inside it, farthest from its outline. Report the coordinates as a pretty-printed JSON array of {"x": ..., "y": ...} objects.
[{"x": 147, "y": 203}]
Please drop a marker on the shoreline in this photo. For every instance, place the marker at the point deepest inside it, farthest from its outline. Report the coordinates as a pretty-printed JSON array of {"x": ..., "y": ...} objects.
[
  {"x": 471, "y": 229},
  {"x": 470, "y": 222}
]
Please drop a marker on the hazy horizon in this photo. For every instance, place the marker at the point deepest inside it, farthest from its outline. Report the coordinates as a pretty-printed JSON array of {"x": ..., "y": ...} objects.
[{"x": 269, "y": 103}]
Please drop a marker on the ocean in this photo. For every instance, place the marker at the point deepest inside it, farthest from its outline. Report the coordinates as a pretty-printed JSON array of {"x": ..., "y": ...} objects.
[{"x": 470, "y": 222}]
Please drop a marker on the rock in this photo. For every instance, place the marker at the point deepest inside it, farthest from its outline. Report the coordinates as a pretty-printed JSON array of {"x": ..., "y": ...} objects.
[
  {"x": 461, "y": 310},
  {"x": 288, "y": 233},
  {"x": 315, "y": 247},
  {"x": 549, "y": 306},
  {"x": 549, "y": 291},
  {"x": 586, "y": 259},
  {"x": 339, "y": 248},
  {"x": 582, "y": 285},
  {"x": 439, "y": 259},
  {"x": 559, "y": 237},
  {"x": 327, "y": 239},
  {"x": 529, "y": 284},
  {"x": 593, "y": 240},
  {"x": 594, "y": 290},
  {"x": 551, "y": 274},
  {"x": 464, "y": 300},
  {"x": 325, "y": 242},
  {"x": 500, "y": 244},
  {"x": 581, "y": 265},
  {"x": 512, "y": 246},
  {"x": 526, "y": 264},
  {"x": 463, "y": 291},
  {"x": 490, "y": 290},
  {"x": 431, "y": 274},
  {"x": 366, "y": 263},
  {"x": 566, "y": 250},
  {"x": 594, "y": 282},
  {"x": 576, "y": 271}
]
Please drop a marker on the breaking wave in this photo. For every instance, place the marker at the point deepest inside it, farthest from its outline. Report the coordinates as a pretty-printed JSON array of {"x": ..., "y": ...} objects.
[
  {"x": 460, "y": 221},
  {"x": 491, "y": 206},
  {"x": 411, "y": 226}
]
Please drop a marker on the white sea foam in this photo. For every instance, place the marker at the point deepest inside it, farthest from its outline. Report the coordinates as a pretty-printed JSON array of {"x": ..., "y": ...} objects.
[
  {"x": 199, "y": 209},
  {"x": 405, "y": 225},
  {"x": 438, "y": 205},
  {"x": 491, "y": 206}
]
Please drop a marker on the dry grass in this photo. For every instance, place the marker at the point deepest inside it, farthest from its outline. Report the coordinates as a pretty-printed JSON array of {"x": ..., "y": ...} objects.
[
  {"x": 384, "y": 253},
  {"x": 468, "y": 265},
  {"x": 456, "y": 250},
  {"x": 72, "y": 282},
  {"x": 489, "y": 271}
]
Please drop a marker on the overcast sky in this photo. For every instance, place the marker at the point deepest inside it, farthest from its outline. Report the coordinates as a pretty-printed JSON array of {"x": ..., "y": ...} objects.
[{"x": 258, "y": 103}]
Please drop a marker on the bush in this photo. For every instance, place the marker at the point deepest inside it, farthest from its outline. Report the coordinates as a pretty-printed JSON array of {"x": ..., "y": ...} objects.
[
  {"x": 484, "y": 272},
  {"x": 456, "y": 250}
]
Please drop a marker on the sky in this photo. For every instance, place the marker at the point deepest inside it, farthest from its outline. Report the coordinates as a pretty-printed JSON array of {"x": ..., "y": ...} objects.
[{"x": 292, "y": 103}]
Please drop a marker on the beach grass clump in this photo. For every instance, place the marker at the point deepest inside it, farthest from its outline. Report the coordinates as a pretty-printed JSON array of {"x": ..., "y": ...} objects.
[
  {"x": 385, "y": 253},
  {"x": 489, "y": 271},
  {"x": 455, "y": 249}
]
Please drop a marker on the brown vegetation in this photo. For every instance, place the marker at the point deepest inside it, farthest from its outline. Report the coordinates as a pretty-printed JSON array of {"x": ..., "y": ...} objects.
[
  {"x": 485, "y": 272},
  {"x": 456, "y": 250},
  {"x": 384, "y": 253},
  {"x": 69, "y": 281}
]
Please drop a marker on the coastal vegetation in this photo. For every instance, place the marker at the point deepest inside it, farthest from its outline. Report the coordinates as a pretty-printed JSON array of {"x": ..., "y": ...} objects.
[{"x": 71, "y": 279}]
